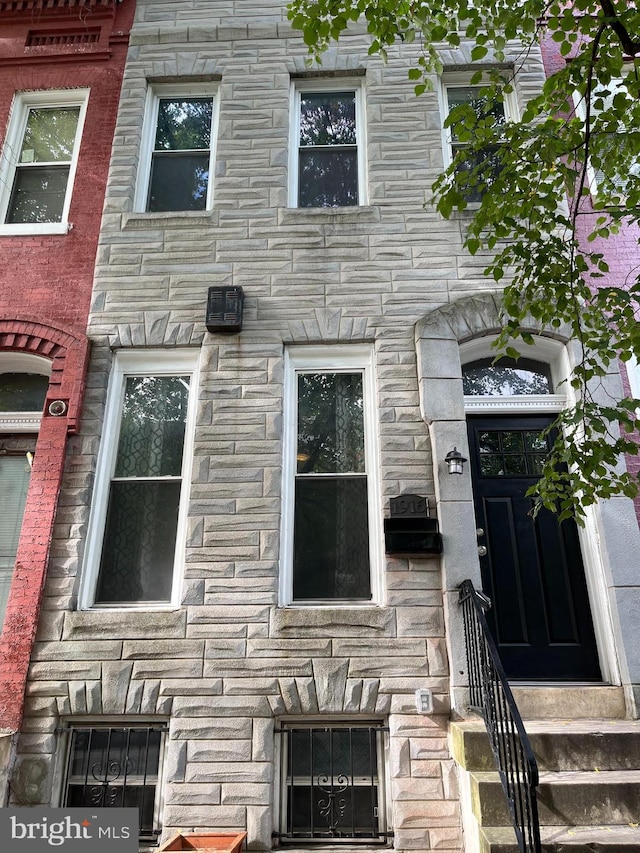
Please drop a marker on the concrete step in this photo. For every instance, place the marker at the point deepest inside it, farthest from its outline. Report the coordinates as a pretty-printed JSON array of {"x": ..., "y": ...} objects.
[
  {"x": 557, "y": 744},
  {"x": 569, "y": 701},
  {"x": 567, "y": 839},
  {"x": 568, "y": 798}
]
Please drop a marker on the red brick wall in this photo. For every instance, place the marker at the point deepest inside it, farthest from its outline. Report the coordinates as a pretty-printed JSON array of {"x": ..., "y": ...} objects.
[{"x": 45, "y": 290}]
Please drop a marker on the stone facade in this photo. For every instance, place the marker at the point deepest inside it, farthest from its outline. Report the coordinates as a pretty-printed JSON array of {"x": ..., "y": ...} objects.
[{"x": 228, "y": 665}]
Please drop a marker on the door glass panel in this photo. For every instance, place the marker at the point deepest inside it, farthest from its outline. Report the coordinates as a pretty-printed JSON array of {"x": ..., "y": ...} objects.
[{"x": 511, "y": 453}]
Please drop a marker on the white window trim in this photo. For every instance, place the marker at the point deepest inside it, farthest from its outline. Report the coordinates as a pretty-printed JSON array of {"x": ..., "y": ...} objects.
[
  {"x": 154, "y": 95},
  {"x": 339, "y": 358},
  {"x": 22, "y": 103},
  {"x": 18, "y": 362},
  {"x": 633, "y": 374},
  {"x": 137, "y": 363},
  {"x": 320, "y": 85},
  {"x": 546, "y": 350},
  {"x": 458, "y": 80}
]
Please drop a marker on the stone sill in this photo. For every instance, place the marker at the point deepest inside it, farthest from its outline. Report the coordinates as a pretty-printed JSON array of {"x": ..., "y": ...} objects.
[
  {"x": 327, "y": 215},
  {"x": 171, "y": 219}
]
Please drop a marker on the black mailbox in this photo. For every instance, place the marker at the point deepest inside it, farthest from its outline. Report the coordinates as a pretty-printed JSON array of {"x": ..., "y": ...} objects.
[{"x": 410, "y": 530}]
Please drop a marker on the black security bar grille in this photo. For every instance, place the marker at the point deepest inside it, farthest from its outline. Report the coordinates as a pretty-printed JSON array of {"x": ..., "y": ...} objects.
[
  {"x": 490, "y": 693},
  {"x": 331, "y": 784},
  {"x": 116, "y": 768}
]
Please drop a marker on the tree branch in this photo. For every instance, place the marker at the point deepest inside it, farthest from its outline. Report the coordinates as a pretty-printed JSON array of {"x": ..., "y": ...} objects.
[{"x": 631, "y": 47}]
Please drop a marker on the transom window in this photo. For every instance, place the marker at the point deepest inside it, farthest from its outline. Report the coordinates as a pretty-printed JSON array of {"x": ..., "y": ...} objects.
[
  {"x": 23, "y": 392},
  {"x": 328, "y": 170},
  {"x": 39, "y": 160},
  {"x": 506, "y": 378},
  {"x": 332, "y": 783},
  {"x": 117, "y": 767},
  {"x": 329, "y": 510}
]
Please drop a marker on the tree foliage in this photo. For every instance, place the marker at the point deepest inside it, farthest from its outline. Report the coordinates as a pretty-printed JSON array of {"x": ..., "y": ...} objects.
[{"x": 538, "y": 216}]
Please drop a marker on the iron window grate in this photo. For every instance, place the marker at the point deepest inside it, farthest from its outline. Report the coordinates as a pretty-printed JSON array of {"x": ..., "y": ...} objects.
[{"x": 332, "y": 784}]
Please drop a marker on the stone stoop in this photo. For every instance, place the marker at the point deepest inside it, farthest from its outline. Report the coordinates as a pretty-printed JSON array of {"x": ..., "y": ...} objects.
[{"x": 589, "y": 792}]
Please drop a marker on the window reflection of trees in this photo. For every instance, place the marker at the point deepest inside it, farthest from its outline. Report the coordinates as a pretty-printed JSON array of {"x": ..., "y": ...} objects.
[
  {"x": 328, "y": 160},
  {"x": 180, "y": 161},
  {"x": 470, "y": 107},
  {"x": 507, "y": 378}
]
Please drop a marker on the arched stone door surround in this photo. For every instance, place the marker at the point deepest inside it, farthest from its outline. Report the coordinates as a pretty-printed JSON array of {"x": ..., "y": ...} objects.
[{"x": 446, "y": 338}]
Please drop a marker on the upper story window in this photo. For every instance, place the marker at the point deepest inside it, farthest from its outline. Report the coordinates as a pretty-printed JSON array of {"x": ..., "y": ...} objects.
[
  {"x": 610, "y": 140},
  {"x": 177, "y": 158},
  {"x": 330, "y": 515},
  {"x": 460, "y": 97},
  {"x": 137, "y": 525},
  {"x": 327, "y": 148},
  {"x": 39, "y": 160}
]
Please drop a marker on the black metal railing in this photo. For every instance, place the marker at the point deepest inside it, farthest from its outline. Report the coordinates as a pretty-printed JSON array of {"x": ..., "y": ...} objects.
[{"x": 490, "y": 693}]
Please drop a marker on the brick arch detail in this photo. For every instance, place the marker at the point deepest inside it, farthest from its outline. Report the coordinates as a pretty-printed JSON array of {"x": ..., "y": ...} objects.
[{"x": 68, "y": 353}]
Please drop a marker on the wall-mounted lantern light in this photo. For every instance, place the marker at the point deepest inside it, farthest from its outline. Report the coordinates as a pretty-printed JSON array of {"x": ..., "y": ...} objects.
[{"x": 455, "y": 460}]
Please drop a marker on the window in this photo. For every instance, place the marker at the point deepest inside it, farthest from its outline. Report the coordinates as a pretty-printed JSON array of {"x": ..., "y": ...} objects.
[
  {"x": 459, "y": 96},
  {"x": 14, "y": 482},
  {"x": 327, "y": 147},
  {"x": 332, "y": 782},
  {"x": 22, "y": 397},
  {"x": 612, "y": 143},
  {"x": 176, "y": 173},
  {"x": 506, "y": 378},
  {"x": 330, "y": 515},
  {"x": 136, "y": 529},
  {"x": 39, "y": 160},
  {"x": 117, "y": 767}
]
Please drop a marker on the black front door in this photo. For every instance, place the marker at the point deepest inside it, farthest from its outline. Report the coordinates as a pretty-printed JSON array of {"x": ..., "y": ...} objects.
[{"x": 533, "y": 569}]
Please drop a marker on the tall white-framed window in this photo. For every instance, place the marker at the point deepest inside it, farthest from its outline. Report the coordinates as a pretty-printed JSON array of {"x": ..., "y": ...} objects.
[
  {"x": 331, "y": 518},
  {"x": 327, "y": 165},
  {"x": 136, "y": 546},
  {"x": 455, "y": 91},
  {"x": 39, "y": 159},
  {"x": 177, "y": 154}
]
